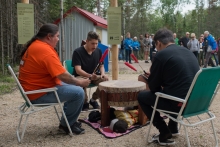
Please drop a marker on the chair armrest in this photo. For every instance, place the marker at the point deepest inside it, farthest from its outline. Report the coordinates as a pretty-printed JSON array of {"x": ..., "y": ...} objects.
[
  {"x": 41, "y": 90},
  {"x": 162, "y": 95}
]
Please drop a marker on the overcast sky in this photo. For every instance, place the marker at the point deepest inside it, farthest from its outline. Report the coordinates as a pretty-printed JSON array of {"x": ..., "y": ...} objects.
[
  {"x": 183, "y": 8},
  {"x": 188, "y": 8}
]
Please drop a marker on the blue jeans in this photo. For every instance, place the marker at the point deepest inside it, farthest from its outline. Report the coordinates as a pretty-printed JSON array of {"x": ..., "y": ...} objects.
[
  {"x": 216, "y": 59},
  {"x": 127, "y": 55},
  {"x": 73, "y": 97},
  {"x": 122, "y": 53}
]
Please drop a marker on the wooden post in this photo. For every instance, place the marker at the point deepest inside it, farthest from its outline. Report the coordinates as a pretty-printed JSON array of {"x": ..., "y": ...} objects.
[
  {"x": 62, "y": 32},
  {"x": 25, "y": 1},
  {"x": 114, "y": 50},
  {"x": 105, "y": 109}
]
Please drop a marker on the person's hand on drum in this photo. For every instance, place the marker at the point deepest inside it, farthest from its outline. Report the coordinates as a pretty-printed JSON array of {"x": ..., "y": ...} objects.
[
  {"x": 147, "y": 74},
  {"x": 103, "y": 76},
  {"x": 84, "y": 82},
  {"x": 93, "y": 77}
]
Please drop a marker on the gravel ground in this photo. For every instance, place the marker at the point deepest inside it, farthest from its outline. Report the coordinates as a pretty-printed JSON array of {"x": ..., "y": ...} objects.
[{"x": 42, "y": 128}]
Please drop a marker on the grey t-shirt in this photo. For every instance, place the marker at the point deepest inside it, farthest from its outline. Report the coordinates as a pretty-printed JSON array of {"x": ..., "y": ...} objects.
[{"x": 146, "y": 43}]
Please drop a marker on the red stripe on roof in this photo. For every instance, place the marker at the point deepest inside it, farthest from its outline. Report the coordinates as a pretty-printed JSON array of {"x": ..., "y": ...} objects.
[{"x": 98, "y": 21}]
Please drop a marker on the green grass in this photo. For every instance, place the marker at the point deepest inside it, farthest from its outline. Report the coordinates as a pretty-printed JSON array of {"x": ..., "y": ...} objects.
[
  {"x": 7, "y": 84},
  {"x": 5, "y": 89},
  {"x": 6, "y": 79}
]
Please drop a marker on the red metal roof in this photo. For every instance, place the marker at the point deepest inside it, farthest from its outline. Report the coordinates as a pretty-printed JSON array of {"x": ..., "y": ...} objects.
[{"x": 98, "y": 21}]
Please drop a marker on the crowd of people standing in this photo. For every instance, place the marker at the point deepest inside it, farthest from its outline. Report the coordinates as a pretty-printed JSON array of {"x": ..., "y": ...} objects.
[
  {"x": 204, "y": 47},
  {"x": 142, "y": 48}
]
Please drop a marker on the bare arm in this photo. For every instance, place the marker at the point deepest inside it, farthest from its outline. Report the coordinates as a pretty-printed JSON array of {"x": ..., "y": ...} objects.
[
  {"x": 102, "y": 71},
  {"x": 82, "y": 73},
  {"x": 69, "y": 79}
]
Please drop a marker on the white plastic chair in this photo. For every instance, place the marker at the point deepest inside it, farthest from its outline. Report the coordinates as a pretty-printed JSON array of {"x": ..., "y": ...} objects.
[
  {"x": 28, "y": 108},
  {"x": 197, "y": 102}
]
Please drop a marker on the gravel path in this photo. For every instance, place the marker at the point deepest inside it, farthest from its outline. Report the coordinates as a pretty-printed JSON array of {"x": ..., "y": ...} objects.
[{"x": 42, "y": 129}]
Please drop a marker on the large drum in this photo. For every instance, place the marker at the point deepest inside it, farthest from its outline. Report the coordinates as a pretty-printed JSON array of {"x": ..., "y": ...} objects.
[{"x": 120, "y": 93}]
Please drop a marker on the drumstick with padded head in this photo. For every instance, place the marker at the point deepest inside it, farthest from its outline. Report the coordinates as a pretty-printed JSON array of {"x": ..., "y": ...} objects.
[
  {"x": 130, "y": 66},
  {"x": 101, "y": 60},
  {"x": 136, "y": 60}
]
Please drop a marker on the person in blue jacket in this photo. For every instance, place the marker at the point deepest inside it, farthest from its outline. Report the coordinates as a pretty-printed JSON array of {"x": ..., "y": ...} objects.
[
  {"x": 128, "y": 47},
  {"x": 136, "y": 47},
  {"x": 209, "y": 46}
]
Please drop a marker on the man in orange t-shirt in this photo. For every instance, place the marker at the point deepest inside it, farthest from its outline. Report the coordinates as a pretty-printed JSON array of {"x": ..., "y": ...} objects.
[{"x": 40, "y": 68}]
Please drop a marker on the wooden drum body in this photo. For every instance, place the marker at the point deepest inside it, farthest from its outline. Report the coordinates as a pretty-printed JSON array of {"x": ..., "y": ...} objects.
[{"x": 120, "y": 93}]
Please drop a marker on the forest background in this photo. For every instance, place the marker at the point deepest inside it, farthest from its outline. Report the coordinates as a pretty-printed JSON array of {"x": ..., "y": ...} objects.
[{"x": 138, "y": 17}]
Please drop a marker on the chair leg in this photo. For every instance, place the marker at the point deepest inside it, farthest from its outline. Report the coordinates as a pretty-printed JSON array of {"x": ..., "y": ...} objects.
[
  {"x": 187, "y": 137},
  {"x": 23, "y": 131},
  {"x": 214, "y": 132},
  {"x": 67, "y": 123},
  {"x": 180, "y": 125},
  {"x": 57, "y": 113},
  {"x": 89, "y": 92},
  {"x": 63, "y": 113},
  {"x": 148, "y": 134},
  {"x": 151, "y": 122}
]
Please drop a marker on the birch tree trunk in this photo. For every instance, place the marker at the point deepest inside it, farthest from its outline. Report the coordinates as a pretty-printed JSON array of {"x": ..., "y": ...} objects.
[
  {"x": 8, "y": 30},
  {"x": 99, "y": 8},
  {"x": 62, "y": 32},
  {"x": 2, "y": 45},
  {"x": 12, "y": 31}
]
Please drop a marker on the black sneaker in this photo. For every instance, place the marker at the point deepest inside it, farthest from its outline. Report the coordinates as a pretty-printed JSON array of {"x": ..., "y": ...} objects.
[
  {"x": 174, "y": 131},
  {"x": 146, "y": 61},
  {"x": 85, "y": 107},
  {"x": 94, "y": 104},
  {"x": 79, "y": 124},
  {"x": 64, "y": 129},
  {"x": 165, "y": 142},
  {"x": 75, "y": 128}
]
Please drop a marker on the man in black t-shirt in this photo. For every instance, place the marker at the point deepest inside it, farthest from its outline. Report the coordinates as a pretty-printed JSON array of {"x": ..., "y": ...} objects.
[
  {"x": 84, "y": 60},
  {"x": 172, "y": 73}
]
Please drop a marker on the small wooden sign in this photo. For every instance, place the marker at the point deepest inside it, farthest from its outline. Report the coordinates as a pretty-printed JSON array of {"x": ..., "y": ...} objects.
[
  {"x": 114, "y": 25},
  {"x": 25, "y": 14}
]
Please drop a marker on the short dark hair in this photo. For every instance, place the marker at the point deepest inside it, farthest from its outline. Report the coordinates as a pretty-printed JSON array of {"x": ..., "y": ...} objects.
[
  {"x": 92, "y": 35},
  {"x": 164, "y": 35},
  {"x": 145, "y": 35}
]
